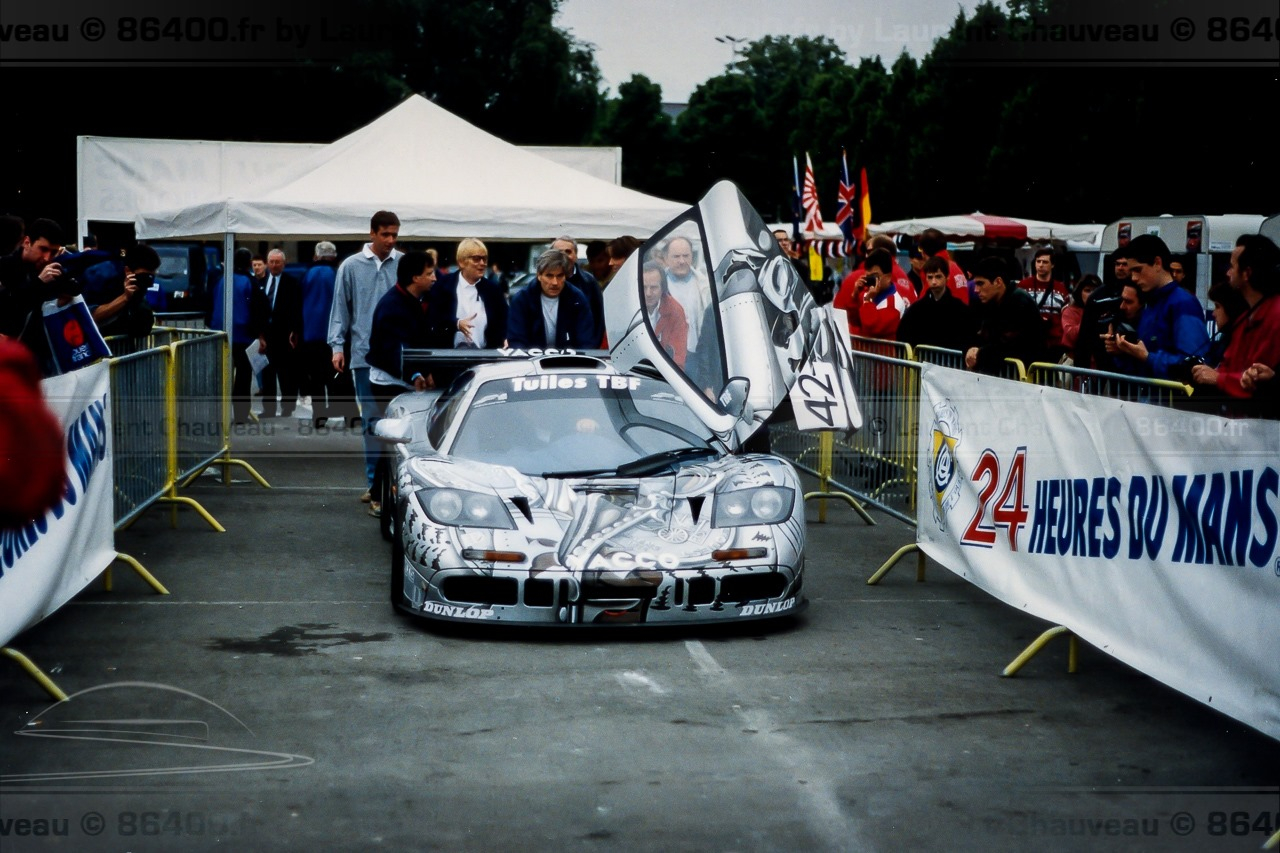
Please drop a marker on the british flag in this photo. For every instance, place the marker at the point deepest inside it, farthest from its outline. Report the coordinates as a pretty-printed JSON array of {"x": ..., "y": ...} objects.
[
  {"x": 847, "y": 195},
  {"x": 812, "y": 216}
]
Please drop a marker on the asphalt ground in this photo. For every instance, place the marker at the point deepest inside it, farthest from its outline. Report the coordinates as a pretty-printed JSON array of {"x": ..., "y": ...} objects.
[{"x": 273, "y": 701}]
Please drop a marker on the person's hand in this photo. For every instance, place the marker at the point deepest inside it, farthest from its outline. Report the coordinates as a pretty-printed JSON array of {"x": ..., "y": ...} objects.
[
  {"x": 131, "y": 289},
  {"x": 422, "y": 383},
  {"x": 1255, "y": 374},
  {"x": 1136, "y": 350},
  {"x": 339, "y": 361},
  {"x": 971, "y": 358},
  {"x": 1109, "y": 340},
  {"x": 1203, "y": 374},
  {"x": 262, "y": 345},
  {"x": 50, "y": 272},
  {"x": 465, "y": 325}
]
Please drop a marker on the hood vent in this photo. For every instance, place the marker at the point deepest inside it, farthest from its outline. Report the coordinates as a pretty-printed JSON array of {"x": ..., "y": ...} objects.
[{"x": 695, "y": 506}]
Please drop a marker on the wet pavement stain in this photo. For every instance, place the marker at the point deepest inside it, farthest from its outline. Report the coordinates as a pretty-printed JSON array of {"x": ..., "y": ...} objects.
[{"x": 307, "y": 638}]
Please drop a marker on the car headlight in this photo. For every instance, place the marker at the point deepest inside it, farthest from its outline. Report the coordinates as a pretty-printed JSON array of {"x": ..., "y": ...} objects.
[
  {"x": 458, "y": 508},
  {"x": 761, "y": 505}
]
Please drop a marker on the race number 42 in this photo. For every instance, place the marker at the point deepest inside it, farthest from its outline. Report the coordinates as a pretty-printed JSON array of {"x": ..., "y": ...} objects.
[{"x": 1006, "y": 510}]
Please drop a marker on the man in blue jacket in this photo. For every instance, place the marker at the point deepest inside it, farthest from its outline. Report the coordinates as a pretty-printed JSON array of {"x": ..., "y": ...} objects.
[
  {"x": 553, "y": 313},
  {"x": 1171, "y": 326}
]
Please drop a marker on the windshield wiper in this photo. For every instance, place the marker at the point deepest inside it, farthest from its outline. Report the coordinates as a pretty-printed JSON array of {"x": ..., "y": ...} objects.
[
  {"x": 655, "y": 462},
  {"x": 569, "y": 475}
]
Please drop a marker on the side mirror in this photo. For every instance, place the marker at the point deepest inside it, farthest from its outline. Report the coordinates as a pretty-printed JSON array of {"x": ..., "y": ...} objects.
[
  {"x": 393, "y": 430},
  {"x": 734, "y": 396}
]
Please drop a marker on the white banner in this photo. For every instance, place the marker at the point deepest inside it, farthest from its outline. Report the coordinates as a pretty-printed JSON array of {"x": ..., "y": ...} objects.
[
  {"x": 46, "y": 562},
  {"x": 1150, "y": 533}
]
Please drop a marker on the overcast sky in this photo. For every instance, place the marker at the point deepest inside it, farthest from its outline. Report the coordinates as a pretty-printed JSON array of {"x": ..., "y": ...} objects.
[{"x": 673, "y": 43}]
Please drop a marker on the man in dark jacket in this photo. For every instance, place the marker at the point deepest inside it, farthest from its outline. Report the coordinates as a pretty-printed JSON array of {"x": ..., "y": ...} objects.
[
  {"x": 1011, "y": 326},
  {"x": 938, "y": 318},
  {"x": 279, "y": 333},
  {"x": 586, "y": 282},
  {"x": 552, "y": 313}
]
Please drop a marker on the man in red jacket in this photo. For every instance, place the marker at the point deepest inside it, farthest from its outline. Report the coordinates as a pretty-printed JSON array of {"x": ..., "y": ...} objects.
[
  {"x": 933, "y": 245},
  {"x": 32, "y": 466},
  {"x": 1255, "y": 273},
  {"x": 874, "y": 304}
]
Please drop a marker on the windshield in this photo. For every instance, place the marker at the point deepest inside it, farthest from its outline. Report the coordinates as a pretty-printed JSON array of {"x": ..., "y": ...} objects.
[{"x": 574, "y": 423}]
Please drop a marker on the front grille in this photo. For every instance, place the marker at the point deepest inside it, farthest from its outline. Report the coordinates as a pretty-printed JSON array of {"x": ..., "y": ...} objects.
[{"x": 752, "y": 587}]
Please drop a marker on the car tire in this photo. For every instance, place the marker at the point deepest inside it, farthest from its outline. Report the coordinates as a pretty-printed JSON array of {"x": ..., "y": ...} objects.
[{"x": 397, "y": 553}]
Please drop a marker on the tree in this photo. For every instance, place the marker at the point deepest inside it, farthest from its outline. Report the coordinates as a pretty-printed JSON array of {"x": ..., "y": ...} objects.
[{"x": 635, "y": 121}]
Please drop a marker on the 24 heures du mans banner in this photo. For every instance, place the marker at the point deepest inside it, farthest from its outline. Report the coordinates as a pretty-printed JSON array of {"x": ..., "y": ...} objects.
[{"x": 1150, "y": 533}]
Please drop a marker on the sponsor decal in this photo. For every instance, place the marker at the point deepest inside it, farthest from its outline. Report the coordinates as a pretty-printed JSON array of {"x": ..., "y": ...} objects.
[
  {"x": 763, "y": 609},
  {"x": 622, "y": 561},
  {"x": 454, "y": 611},
  {"x": 603, "y": 381},
  {"x": 533, "y": 352}
]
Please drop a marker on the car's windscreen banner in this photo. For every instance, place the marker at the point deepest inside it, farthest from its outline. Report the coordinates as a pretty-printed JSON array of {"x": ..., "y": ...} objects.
[
  {"x": 1150, "y": 533},
  {"x": 48, "y": 560}
]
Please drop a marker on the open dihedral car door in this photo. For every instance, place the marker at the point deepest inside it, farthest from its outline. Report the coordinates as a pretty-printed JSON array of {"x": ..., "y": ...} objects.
[{"x": 713, "y": 304}]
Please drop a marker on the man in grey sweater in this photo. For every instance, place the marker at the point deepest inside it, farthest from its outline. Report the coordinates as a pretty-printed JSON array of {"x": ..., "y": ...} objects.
[{"x": 362, "y": 280}]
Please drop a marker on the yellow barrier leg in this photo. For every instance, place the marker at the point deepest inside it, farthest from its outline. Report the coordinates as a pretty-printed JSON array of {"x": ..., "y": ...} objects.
[
  {"x": 106, "y": 579},
  {"x": 226, "y": 464},
  {"x": 142, "y": 573},
  {"x": 857, "y": 507},
  {"x": 34, "y": 671},
  {"x": 893, "y": 561},
  {"x": 1273, "y": 843},
  {"x": 1039, "y": 643}
]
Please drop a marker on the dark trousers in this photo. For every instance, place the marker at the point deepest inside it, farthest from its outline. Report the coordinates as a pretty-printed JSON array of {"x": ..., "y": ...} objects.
[
  {"x": 241, "y": 383},
  {"x": 316, "y": 380},
  {"x": 281, "y": 370}
]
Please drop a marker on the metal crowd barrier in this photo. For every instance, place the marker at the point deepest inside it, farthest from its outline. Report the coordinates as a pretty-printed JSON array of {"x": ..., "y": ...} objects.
[
  {"x": 880, "y": 346},
  {"x": 877, "y": 464},
  {"x": 171, "y": 405},
  {"x": 139, "y": 423},
  {"x": 1156, "y": 392},
  {"x": 1012, "y": 369},
  {"x": 181, "y": 319}
]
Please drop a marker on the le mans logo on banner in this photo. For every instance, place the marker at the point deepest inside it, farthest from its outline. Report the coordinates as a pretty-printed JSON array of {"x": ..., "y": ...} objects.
[
  {"x": 946, "y": 437},
  {"x": 1221, "y": 518}
]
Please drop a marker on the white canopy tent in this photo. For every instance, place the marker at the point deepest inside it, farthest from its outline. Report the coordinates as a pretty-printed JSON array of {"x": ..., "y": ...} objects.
[
  {"x": 118, "y": 176},
  {"x": 443, "y": 177}
]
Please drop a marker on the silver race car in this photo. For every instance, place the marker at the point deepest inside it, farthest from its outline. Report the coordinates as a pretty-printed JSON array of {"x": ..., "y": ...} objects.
[{"x": 563, "y": 489}]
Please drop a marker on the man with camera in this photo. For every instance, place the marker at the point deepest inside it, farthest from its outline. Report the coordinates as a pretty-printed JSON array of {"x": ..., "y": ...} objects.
[
  {"x": 1119, "y": 322},
  {"x": 1171, "y": 326},
  {"x": 29, "y": 277},
  {"x": 120, "y": 308},
  {"x": 1254, "y": 347}
]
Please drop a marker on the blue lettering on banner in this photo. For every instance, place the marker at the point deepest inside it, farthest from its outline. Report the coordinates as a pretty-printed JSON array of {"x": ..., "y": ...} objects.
[
  {"x": 86, "y": 447},
  {"x": 1223, "y": 519}
]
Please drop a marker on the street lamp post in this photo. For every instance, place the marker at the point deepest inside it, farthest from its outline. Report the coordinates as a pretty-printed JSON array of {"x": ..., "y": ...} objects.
[{"x": 733, "y": 43}]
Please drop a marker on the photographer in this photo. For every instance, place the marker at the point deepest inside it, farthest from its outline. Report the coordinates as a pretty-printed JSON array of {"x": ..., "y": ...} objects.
[
  {"x": 29, "y": 277},
  {"x": 120, "y": 306},
  {"x": 1172, "y": 323},
  {"x": 1255, "y": 338},
  {"x": 1117, "y": 322}
]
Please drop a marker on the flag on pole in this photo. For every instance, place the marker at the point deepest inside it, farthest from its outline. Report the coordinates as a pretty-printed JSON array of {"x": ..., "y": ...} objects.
[
  {"x": 846, "y": 196},
  {"x": 796, "y": 212},
  {"x": 866, "y": 206},
  {"x": 812, "y": 216}
]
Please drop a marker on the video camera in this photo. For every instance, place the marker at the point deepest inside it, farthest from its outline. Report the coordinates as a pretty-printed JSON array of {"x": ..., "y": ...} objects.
[{"x": 1109, "y": 315}]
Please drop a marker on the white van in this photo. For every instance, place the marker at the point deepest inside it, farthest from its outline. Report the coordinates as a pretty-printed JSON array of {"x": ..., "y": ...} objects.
[{"x": 1204, "y": 242}]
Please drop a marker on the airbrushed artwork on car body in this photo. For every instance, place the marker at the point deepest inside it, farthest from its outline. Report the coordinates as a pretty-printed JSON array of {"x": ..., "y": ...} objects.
[
  {"x": 561, "y": 489},
  {"x": 738, "y": 279},
  {"x": 626, "y": 552}
]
